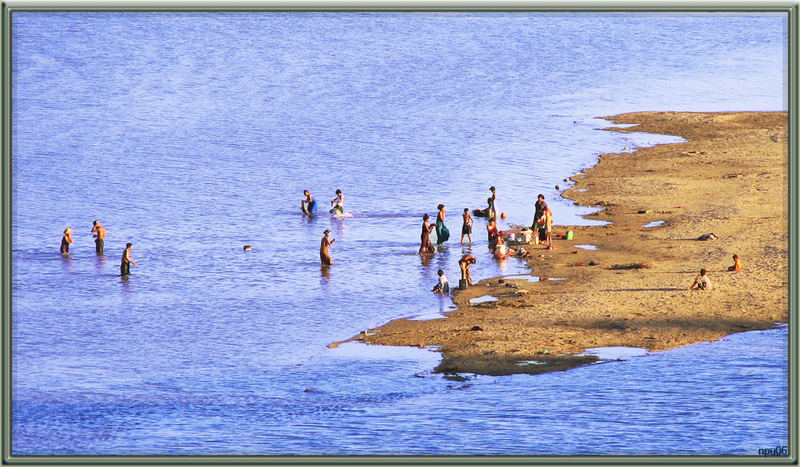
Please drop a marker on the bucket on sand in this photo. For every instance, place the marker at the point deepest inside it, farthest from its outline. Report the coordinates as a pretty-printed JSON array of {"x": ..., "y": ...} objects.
[
  {"x": 526, "y": 236},
  {"x": 570, "y": 235}
]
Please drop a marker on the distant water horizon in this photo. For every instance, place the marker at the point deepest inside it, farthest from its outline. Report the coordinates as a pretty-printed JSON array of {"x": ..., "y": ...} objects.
[{"x": 192, "y": 134}]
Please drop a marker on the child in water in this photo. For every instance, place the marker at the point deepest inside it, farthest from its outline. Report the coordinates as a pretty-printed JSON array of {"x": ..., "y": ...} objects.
[
  {"x": 466, "y": 228},
  {"x": 442, "y": 286}
]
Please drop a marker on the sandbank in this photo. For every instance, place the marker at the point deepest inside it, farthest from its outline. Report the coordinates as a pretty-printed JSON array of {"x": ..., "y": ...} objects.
[{"x": 729, "y": 178}]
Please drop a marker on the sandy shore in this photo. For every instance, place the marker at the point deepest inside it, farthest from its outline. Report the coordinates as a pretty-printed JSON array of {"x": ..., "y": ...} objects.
[{"x": 730, "y": 178}]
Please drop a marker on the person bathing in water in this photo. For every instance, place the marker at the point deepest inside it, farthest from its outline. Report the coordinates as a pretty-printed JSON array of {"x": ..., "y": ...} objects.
[
  {"x": 338, "y": 203},
  {"x": 466, "y": 228},
  {"x": 308, "y": 205},
  {"x": 100, "y": 232},
  {"x": 324, "y": 254},
  {"x": 442, "y": 233},
  {"x": 493, "y": 233},
  {"x": 125, "y": 265},
  {"x": 426, "y": 247},
  {"x": 66, "y": 240},
  {"x": 492, "y": 210}
]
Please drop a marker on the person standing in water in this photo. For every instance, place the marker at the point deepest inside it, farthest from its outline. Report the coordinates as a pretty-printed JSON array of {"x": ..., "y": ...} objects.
[
  {"x": 66, "y": 240},
  {"x": 100, "y": 232},
  {"x": 466, "y": 228},
  {"x": 308, "y": 205},
  {"x": 442, "y": 232},
  {"x": 324, "y": 254},
  {"x": 492, "y": 209},
  {"x": 491, "y": 229},
  {"x": 426, "y": 246},
  {"x": 338, "y": 203},
  {"x": 125, "y": 265}
]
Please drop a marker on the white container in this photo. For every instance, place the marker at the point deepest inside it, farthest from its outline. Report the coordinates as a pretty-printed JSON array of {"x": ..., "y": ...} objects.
[{"x": 526, "y": 236}]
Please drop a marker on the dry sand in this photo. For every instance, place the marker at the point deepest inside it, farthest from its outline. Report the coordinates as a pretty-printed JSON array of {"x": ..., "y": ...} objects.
[{"x": 730, "y": 178}]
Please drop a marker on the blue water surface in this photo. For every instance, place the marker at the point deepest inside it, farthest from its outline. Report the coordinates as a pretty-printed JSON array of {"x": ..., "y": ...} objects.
[{"x": 191, "y": 134}]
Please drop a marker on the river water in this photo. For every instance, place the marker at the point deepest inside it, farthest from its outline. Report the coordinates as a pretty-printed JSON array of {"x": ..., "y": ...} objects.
[{"x": 191, "y": 134}]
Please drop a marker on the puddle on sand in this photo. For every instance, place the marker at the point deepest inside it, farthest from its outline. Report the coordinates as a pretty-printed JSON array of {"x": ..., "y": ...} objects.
[
  {"x": 614, "y": 353},
  {"x": 484, "y": 299},
  {"x": 653, "y": 224},
  {"x": 586, "y": 247},
  {"x": 530, "y": 362},
  {"x": 426, "y": 316},
  {"x": 530, "y": 278}
]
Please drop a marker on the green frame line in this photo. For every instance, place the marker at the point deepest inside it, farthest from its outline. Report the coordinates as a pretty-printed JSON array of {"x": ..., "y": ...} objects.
[{"x": 790, "y": 8}]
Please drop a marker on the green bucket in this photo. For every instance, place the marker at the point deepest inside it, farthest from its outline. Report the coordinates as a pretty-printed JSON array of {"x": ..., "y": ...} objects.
[{"x": 570, "y": 235}]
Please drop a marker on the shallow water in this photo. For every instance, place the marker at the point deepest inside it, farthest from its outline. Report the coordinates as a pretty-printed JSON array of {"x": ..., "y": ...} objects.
[{"x": 193, "y": 134}]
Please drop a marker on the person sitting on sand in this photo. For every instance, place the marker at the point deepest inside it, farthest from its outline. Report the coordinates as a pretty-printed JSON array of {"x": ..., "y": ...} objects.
[
  {"x": 737, "y": 265},
  {"x": 324, "y": 254},
  {"x": 466, "y": 228},
  {"x": 701, "y": 282},
  {"x": 338, "y": 203},
  {"x": 442, "y": 286},
  {"x": 465, "y": 263},
  {"x": 491, "y": 229},
  {"x": 426, "y": 247},
  {"x": 308, "y": 205},
  {"x": 66, "y": 240}
]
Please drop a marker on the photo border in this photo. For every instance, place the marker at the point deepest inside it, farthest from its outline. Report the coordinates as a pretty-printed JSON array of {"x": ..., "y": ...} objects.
[{"x": 8, "y": 7}]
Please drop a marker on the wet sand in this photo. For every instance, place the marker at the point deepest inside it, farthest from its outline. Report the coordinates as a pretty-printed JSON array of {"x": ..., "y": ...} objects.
[{"x": 730, "y": 178}]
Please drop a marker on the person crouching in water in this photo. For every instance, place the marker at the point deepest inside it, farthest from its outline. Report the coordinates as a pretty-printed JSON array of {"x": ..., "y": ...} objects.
[
  {"x": 338, "y": 203},
  {"x": 442, "y": 287},
  {"x": 308, "y": 205},
  {"x": 324, "y": 254},
  {"x": 65, "y": 241},
  {"x": 701, "y": 282},
  {"x": 125, "y": 265},
  {"x": 737, "y": 265}
]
